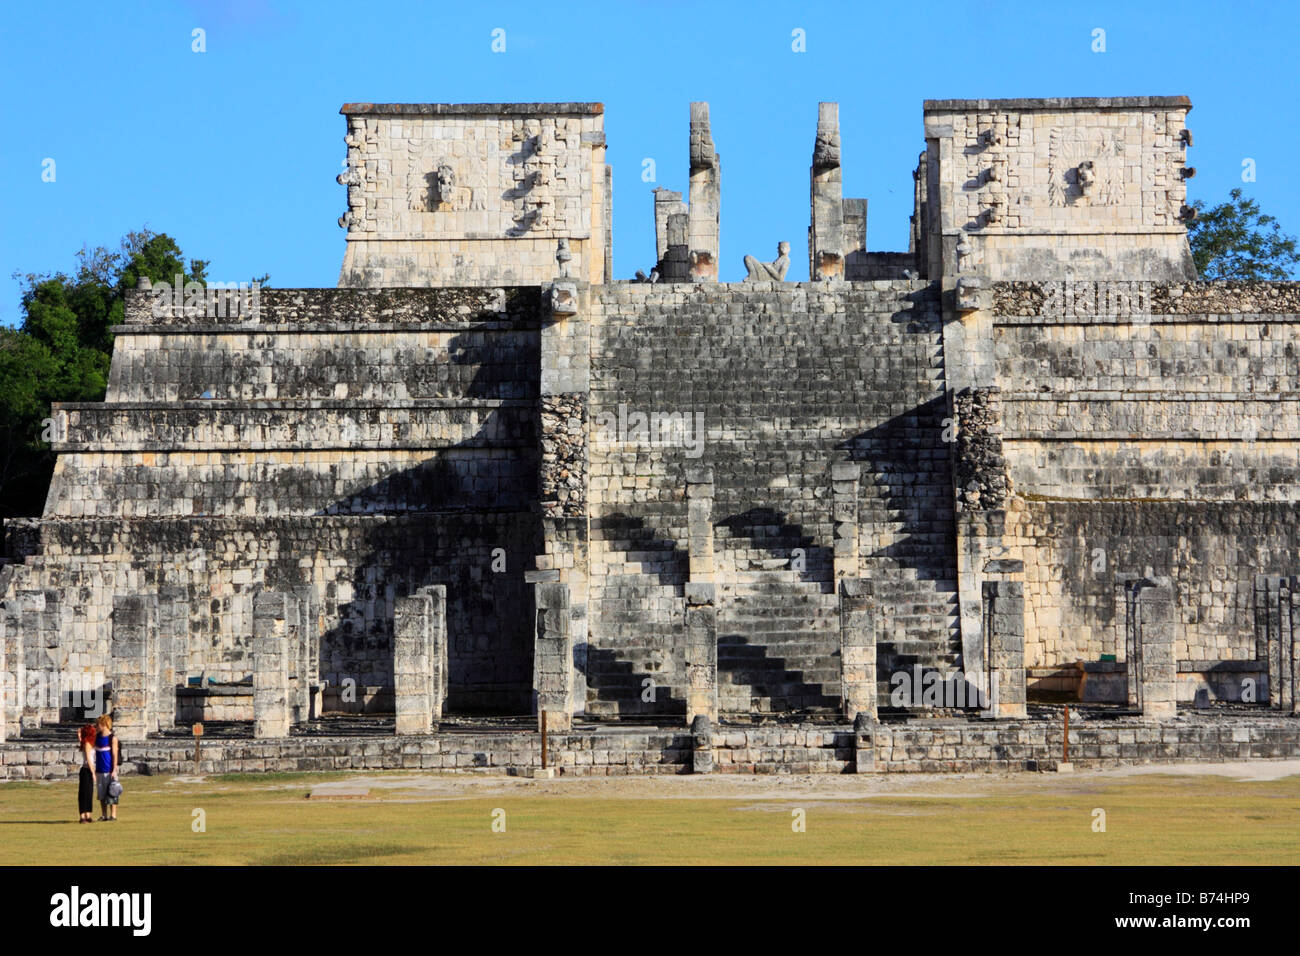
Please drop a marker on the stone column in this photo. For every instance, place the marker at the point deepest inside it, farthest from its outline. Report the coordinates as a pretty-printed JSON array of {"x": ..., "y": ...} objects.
[
  {"x": 701, "y": 652},
  {"x": 858, "y": 688},
  {"x": 1275, "y": 637},
  {"x": 855, "y": 238},
  {"x": 134, "y": 656},
  {"x": 40, "y": 638},
  {"x": 13, "y": 668},
  {"x": 272, "y": 612},
  {"x": 308, "y": 652},
  {"x": 701, "y": 745},
  {"x": 1004, "y": 632},
  {"x": 668, "y": 203},
  {"x": 1159, "y": 666},
  {"x": 864, "y": 744},
  {"x": 980, "y": 485},
  {"x": 675, "y": 266},
  {"x": 438, "y": 672},
  {"x": 553, "y": 655},
  {"x": 1285, "y": 646},
  {"x": 173, "y": 649},
  {"x": 565, "y": 382},
  {"x": 826, "y": 234},
  {"x": 1295, "y": 645},
  {"x": 5, "y": 677},
  {"x": 1126, "y": 618},
  {"x": 844, "y": 489},
  {"x": 705, "y": 199},
  {"x": 699, "y": 523},
  {"x": 412, "y": 630}
]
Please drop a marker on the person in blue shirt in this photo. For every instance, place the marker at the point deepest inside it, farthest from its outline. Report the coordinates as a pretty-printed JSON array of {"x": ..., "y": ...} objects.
[{"x": 106, "y": 766}]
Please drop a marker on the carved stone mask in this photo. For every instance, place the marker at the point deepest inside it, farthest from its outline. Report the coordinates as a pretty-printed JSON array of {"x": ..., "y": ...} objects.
[{"x": 446, "y": 182}]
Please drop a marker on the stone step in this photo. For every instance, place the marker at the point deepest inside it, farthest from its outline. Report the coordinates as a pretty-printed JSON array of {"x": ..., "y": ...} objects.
[
  {"x": 759, "y": 609},
  {"x": 784, "y": 657}
]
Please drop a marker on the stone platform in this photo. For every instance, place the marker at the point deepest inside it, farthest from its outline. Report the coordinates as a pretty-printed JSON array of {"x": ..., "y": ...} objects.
[{"x": 926, "y": 746}]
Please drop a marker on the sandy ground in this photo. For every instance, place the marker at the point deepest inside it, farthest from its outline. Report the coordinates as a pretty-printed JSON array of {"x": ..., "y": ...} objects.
[{"x": 427, "y": 786}]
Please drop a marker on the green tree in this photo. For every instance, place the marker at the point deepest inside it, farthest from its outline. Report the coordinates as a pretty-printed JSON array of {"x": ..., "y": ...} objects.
[
  {"x": 62, "y": 350},
  {"x": 1234, "y": 240}
]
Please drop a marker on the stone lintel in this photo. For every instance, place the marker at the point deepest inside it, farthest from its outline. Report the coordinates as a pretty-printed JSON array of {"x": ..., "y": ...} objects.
[{"x": 472, "y": 109}]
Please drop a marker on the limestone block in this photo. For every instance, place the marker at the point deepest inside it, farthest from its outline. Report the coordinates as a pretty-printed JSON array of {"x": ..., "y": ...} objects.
[
  {"x": 553, "y": 655},
  {"x": 1004, "y": 634},
  {"x": 272, "y": 713},
  {"x": 134, "y": 662},
  {"x": 857, "y": 625},
  {"x": 701, "y": 652}
]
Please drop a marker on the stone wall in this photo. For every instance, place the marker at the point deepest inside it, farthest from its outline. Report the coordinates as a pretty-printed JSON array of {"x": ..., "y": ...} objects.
[
  {"x": 770, "y": 386},
  {"x": 356, "y": 444},
  {"x": 473, "y": 194},
  {"x": 930, "y": 746},
  {"x": 1058, "y": 187},
  {"x": 1149, "y": 426},
  {"x": 1017, "y": 419}
]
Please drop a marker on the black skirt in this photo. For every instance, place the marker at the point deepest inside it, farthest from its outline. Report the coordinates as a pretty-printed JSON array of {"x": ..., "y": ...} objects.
[{"x": 86, "y": 791}]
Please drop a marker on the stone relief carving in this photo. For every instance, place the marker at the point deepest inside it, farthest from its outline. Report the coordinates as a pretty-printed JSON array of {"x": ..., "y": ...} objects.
[
  {"x": 1085, "y": 167},
  {"x": 965, "y": 253},
  {"x": 773, "y": 271},
  {"x": 1085, "y": 174},
  {"x": 434, "y": 184},
  {"x": 360, "y": 139},
  {"x": 826, "y": 148},
  {"x": 989, "y": 145},
  {"x": 533, "y": 175},
  {"x": 702, "y": 152}
]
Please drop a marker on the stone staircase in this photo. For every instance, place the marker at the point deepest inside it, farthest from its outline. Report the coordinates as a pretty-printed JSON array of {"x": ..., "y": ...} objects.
[
  {"x": 640, "y": 618},
  {"x": 914, "y": 577},
  {"x": 778, "y": 645},
  {"x": 913, "y": 617},
  {"x": 778, "y": 626}
]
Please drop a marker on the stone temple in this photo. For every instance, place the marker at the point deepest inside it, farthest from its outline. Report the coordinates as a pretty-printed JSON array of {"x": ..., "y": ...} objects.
[{"x": 888, "y": 519}]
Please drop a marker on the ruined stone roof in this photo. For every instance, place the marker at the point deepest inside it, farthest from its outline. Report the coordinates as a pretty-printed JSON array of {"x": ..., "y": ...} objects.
[
  {"x": 446, "y": 109},
  {"x": 1062, "y": 102}
]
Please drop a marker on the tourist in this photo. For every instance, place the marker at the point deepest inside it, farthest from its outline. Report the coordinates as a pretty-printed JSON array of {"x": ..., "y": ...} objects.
[
  {"x": 106, "y": 768},
  {"x": 86, "y": 785}
]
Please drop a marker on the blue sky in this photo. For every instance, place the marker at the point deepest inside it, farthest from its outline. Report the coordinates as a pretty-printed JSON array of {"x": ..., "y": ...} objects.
[{"x": 234, "y": 151}]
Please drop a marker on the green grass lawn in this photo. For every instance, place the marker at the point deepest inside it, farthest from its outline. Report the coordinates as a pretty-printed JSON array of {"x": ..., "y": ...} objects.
[{"x": 266, "y": 819}]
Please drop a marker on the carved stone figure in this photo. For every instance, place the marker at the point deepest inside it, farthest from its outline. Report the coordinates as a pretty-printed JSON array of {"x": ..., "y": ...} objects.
[
  {"x": 826, "y": 147},
  {"x": 445, "y": 183},
  {"x": 1085, "y": 175},
  {"x": 563, "y": 257},
  {"x": 965, "y": 249},
  {"x": 769, "y": 271},
  {"x": 703, "y": 155}
]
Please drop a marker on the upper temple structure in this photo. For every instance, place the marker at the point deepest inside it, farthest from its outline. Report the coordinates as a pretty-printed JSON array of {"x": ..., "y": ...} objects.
[{"x": 1029, "y": 459}]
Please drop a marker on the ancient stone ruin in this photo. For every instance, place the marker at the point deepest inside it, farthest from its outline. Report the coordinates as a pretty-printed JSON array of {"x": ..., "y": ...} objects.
[{"x": 892, "y": 518}]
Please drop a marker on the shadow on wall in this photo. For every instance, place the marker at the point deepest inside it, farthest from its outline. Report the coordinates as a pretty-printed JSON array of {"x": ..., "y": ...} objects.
[
  {"x": 464, "y": 517},
  {"x": 644, "y": 682},
  {"x": 772, "y": 531},
  {"x": 907, "y": 473}
]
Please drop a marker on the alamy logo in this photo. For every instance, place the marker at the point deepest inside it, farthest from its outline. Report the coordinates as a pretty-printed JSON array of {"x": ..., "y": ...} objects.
[
  {"x": 194, "y": 300},
  {"x": 77, "y": 909},
  {"x": 55, "y": 689},
  {"x": 657, "y": 428},
  {"x": 1097, "y": 299},
  {"x": 920, "y": 687}
]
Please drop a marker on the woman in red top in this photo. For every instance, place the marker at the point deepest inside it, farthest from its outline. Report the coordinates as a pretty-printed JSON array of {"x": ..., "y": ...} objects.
[{"x": 86, "y": 784}]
